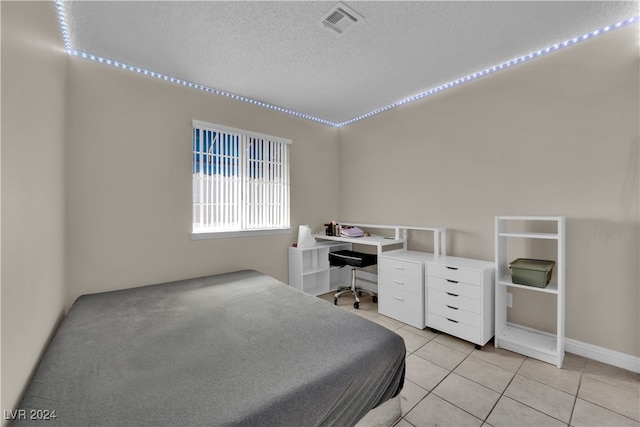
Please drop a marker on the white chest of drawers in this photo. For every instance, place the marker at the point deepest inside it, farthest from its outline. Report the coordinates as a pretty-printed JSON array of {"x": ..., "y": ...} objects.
[
  {"x": 401, "y": 290},
  {"x": 460, "y": 298}
]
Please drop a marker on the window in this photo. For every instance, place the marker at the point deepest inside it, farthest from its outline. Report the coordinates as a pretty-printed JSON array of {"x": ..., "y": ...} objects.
[{"x": 240, "y": 181}]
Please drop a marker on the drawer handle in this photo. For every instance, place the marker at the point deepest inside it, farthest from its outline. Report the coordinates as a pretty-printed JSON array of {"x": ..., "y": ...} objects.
[
  {"x": 399, "y": 299},
  {"x": 398, "y": 268},
  {"x": 398, "y": 282},
  {"x": 451, "y": 268},
  {"x": 451, "y": 320},
  {"x": 453, "y": 295},
  {"x": 452, "y": 281},
  {"x": 452, "y": 307}
]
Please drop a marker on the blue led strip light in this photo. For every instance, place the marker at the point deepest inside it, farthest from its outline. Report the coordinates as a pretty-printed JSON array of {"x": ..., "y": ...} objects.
[
  {"x": 63, "y": 26},
  {"x": 67, "y": 44},
  {"x": 493, "y": 69},
  {"x": 197, "y": 86}
]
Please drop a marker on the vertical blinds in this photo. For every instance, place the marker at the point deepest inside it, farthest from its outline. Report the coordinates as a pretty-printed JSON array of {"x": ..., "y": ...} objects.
[{"x": 240, "y": 180}]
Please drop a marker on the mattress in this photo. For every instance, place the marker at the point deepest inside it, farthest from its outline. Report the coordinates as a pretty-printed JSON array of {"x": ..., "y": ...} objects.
[{"x": 238, "y": 349}]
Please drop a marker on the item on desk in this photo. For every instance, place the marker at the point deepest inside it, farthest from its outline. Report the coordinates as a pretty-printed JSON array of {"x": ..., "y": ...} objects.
[
  {"x": 328, "y": 229},
  {"x": 332, "y": 229},
  {"x": 305, "y": 237},
  {"x": 351, "y": 232}
]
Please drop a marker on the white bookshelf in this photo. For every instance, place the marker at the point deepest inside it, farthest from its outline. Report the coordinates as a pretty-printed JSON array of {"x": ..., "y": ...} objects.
[
  {"x": 521, "y": 338},
  {"x": 310, "y": 271}
]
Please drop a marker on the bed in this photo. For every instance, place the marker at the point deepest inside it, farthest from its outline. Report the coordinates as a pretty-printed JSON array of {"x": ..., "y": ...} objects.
[{"x": 240, "y": 348}]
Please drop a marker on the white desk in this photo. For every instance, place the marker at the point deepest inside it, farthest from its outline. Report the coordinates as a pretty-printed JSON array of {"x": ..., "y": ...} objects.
[
  {"x": 406, "y": 304},
  {"x": 377, "y": 241},
  {"x": 399, "y": 237}
]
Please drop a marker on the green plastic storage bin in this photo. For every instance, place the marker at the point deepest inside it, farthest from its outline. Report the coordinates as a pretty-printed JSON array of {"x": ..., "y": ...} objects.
[{"x": 531, "y": 272}]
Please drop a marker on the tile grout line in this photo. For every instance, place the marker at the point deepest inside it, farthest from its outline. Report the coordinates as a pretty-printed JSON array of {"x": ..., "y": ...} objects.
[
  {"x": 502, "y": 394},
  {"x": 573, "y": 408},
  {"x": 504, "y": 390},
  {"x": 451, "y": 403},
  {"x": 433, "y": 388},
  {"x": 441, "y": 381},
  {"x": 536, "y": 409},
  {"x": 597, "y": 404}
]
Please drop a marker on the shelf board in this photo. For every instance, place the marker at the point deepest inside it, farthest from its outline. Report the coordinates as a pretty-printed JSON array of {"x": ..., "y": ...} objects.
[
  {"x": 313, "y": 270},
  {"x": 529, "y": 339},
  {"x": 316, "y": 290},
  {"x": 530, "y": 218},
  {"x": 552, "y": 287},
  {"x": 530, "y": 235},
  {"x": 373, "y": 240}
]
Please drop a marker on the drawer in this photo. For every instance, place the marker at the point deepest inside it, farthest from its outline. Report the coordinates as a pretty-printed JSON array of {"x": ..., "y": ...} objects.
[
  {"x": 400, "y": 275},
  {"x": 453, "y": 287},
  {"x": 458, "y": 301},
  {"x": 455, "y": 314},
  {"x": 404, "y": 283},
  {"x": 460, "y": 330},
  {"x": 399, "y": 267},
  {"x": 401, "y": 305},
  {"x": 473, "y": 277}
]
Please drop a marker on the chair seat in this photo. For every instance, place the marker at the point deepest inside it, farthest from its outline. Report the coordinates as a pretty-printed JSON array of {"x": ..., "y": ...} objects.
[{"x": 352, "y": 258}]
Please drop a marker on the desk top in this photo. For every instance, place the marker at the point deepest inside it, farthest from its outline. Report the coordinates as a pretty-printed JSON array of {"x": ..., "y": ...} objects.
[
  {"x": 372, "y": 240},
  {"x": 399, "y": 238}
]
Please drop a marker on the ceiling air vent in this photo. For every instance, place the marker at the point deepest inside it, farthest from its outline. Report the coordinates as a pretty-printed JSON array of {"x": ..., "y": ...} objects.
[{"x": 340, "y": 18}]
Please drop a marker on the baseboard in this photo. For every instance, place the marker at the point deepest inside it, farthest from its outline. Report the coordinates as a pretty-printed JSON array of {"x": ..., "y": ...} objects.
[
  {"x": 631, "y": 363},
  {"x": 604, "y": 355}
]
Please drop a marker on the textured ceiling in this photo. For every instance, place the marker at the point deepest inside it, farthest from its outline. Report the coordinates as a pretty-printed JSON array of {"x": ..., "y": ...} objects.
[{"x": 277, "y": 53}]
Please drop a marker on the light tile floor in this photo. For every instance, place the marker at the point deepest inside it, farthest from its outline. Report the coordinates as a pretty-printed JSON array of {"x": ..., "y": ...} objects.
[{"x": 450, "y": 383}]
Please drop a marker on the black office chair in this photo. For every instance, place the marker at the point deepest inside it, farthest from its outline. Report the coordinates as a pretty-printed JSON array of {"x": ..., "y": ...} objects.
[{"x": 355, "y": 260}]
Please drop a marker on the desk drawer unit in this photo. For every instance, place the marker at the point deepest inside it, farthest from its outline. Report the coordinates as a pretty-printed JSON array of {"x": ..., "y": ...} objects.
[
  {"x": 402, "y": 275},
  {"x": 457, "y": 314},
  {"x": 456, "y": 274},
  {"x": 453, "y": 327},
  {"x": 438, "y": 298},
  {"x": 455, "y": 287},
  {"x": 460, "y": 299},
  {"x": 401, "y": 290},
  {"x": 401, "y": 305}
]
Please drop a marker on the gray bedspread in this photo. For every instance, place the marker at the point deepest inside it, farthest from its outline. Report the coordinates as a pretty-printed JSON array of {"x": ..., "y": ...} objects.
[{"x": 232, "y": 349}]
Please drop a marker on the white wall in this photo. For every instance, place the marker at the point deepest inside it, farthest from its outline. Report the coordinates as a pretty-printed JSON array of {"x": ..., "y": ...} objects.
[
  {"x": 555, "y": 136},
  {"x": 129, "y": 181},
  {"x": 33, "y": 195}
]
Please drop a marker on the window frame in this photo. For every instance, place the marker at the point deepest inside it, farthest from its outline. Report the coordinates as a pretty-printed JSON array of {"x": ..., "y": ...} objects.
[{"x": 214, "y": 234}]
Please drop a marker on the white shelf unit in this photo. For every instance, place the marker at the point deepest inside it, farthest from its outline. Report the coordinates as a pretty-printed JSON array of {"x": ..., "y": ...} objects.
[
  {"x": 310, "y": 272},
  {"x": 519, "y": 338}
]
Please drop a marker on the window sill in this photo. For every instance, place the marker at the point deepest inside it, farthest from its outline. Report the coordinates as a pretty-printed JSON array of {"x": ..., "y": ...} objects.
[{"x": 243, "y": 233}]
